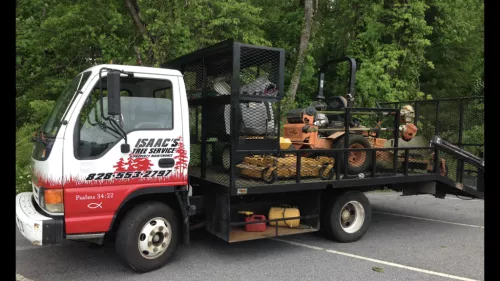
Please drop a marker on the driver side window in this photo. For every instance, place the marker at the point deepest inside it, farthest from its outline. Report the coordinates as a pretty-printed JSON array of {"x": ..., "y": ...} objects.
[
  {"x": 145, "y": 104},
  {"x": 96, "y": 134}
]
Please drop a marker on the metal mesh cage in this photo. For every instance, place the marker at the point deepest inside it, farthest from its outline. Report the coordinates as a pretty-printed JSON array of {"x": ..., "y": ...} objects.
[
  {"x": 233, "y": 93},
  {"x": 457, "y": 120}
]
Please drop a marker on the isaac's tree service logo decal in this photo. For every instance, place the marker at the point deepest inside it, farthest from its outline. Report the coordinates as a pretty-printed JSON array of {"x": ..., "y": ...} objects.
[
  {"x": 164, "y": 148},
  {"x": 139, "y": 164}
]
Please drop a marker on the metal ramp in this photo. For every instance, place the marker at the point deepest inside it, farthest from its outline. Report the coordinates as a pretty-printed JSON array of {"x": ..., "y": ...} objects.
[
  {"x": 468, "y": 175},
  {"x": 455, "y": 127}
]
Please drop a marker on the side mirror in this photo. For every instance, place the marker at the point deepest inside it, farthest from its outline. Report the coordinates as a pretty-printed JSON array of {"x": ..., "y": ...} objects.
[{"x": 114, "y": 106}]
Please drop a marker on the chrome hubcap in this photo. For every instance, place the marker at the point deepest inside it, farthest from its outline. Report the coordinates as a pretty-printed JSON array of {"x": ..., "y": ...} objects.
[
  {"x": 352, "y": 216},
  {"x": 154, "y": 238}
]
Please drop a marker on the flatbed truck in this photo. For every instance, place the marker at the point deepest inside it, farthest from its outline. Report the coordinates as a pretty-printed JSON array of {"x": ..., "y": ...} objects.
[{"x": 147, "y": 154}]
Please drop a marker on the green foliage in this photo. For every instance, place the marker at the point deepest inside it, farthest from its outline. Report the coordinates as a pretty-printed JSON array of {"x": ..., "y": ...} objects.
[
  {"x": 38, "y": 111},
  {"x": 457, "y": 49},
  {"x": 176, "y": 27},
  {"x": 23, "y": 179},
  {"x": 390, "y": 49},
  {"x": 58, "y": 39},
  {"x": 24, "y": 147},
  {"x": 474, "y": 135}
]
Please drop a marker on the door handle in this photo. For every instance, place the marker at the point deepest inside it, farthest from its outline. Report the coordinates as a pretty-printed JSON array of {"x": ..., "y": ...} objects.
[{"x": 166, "y": 162}]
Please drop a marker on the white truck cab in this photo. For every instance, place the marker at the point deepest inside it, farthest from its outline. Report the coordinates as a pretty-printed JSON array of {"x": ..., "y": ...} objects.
[{"x": 94, "y": 150}]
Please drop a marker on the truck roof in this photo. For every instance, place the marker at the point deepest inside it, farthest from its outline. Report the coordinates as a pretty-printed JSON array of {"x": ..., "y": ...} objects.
[{"x": 134, "y": 68}]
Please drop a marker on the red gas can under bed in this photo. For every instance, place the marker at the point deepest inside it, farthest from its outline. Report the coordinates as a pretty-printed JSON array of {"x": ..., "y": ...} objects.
[{"x": 255, "y": 227}]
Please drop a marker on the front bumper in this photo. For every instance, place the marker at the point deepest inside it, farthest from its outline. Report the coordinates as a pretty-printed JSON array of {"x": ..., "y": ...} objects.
[{"x": 34, "y": 226}]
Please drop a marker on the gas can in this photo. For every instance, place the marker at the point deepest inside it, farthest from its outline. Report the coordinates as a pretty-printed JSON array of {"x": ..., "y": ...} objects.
[
  {"x": 255, "y": 227},
  {"x": 284, "y": 212}
]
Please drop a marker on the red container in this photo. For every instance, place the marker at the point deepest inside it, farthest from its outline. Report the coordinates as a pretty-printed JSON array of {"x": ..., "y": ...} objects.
[{"x": 255, "y": 227}]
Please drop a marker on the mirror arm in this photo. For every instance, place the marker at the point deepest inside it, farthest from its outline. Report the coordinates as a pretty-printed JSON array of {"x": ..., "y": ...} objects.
[
  {"x": 117, "y": 127},
  {"x": 101, "y": 95},
  {"x": 112, "y": 129},
  {"x": 111, "y": 120}
]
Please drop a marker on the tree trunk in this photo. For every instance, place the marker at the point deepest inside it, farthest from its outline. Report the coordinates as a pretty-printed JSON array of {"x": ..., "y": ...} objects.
[
  {"x": 304, "y": 41},
  {"x": 135, "y": 13}
]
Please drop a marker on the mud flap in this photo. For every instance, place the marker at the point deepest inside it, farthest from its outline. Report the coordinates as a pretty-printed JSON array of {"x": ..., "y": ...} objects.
[{"x": 182, "y": 200}]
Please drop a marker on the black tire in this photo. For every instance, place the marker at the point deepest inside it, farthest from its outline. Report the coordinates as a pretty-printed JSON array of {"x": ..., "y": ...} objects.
[
  {"x": 271, "y": 178},
  {"x": 226, "y": 158},
  {"x": 217, "y": 149},
  {"x": 365, "y": 162},
  {"x": 129, "y": 233},
  {"x": 332, "y": 222},
  {"x": 221, "y": 156},
  {"x": 328, "y": 176}
]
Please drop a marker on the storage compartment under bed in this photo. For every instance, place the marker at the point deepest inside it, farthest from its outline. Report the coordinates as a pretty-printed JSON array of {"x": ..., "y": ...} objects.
[{"x": 307, "y": 203}]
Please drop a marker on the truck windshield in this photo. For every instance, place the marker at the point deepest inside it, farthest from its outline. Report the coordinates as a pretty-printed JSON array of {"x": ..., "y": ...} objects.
[{"x": 53, "y": 122}]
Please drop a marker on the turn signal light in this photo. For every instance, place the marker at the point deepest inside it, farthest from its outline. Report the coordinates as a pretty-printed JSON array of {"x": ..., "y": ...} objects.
[
  {"x": 53, "y": 196},
  {"x": 53, "y": 199}
]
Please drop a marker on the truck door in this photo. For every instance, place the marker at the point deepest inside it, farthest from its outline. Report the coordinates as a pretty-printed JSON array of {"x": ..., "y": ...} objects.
[{"x": 98, "y": 175}]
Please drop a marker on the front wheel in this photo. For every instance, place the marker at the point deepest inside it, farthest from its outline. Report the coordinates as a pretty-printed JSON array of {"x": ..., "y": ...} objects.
[
  {"x": 147, "y": 236},
  {"x": 347, "y": 217}
]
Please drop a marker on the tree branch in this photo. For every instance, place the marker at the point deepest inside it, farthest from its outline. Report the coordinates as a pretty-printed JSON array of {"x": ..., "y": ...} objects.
[
  {"x": 138, "y": 56},
  {"x": 304, "y": 41},
  {"x": 135, "y": 13}
]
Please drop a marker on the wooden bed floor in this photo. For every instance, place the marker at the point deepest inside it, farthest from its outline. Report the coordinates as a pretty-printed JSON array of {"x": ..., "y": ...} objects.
[{"x": 239, "y": 234}]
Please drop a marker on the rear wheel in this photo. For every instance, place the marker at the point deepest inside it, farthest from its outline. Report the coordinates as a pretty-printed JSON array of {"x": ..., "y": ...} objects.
[
  {"x": 347, "y": 217},
  {"x": 226, "y": 158},
  {"x": 221, "y": 156},
  {"x": 147, "y": 237}
]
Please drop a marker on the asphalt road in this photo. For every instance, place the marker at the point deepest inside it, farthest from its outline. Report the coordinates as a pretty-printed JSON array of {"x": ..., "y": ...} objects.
[{"x": 411, "y": 238}]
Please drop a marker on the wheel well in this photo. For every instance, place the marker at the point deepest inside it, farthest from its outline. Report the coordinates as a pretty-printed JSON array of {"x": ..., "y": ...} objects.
[{"x": 168, "y": 198}]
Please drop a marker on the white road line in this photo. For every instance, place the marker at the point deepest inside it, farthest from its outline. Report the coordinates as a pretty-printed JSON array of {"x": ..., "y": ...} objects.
[
  {"x": 426, "y": 195},
  {"x": 376, "y": 261},
  {"x": 465, "y": 198},
  {"x": 426, "y": 219},
  {"x": 19, "y": 277},
  {"x": 33, "y": 247}
]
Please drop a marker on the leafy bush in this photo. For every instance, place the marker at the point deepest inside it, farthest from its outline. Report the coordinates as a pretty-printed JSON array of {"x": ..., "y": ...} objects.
[
  {"x": 39, "y": 109},
  {"x": 24, "y": 147}
]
